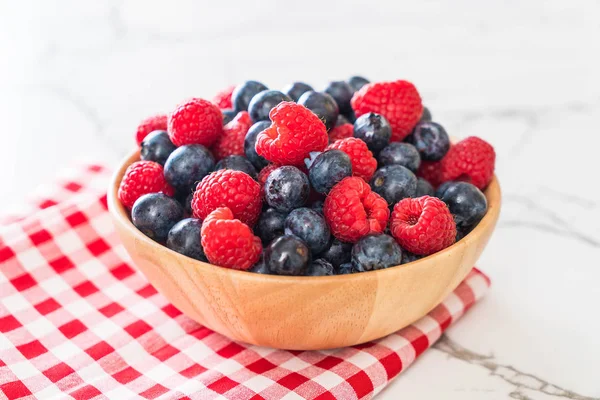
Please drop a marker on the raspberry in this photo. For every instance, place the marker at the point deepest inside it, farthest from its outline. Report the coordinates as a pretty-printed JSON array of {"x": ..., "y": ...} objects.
[
  {"x": 399, "y": 102},
  {"x": 430, "y": 171},
  {"x": 140, "y": 178},
  {"x": 423, "y": 225},
  {"x": 231, "y": 142},
  {"x": 341, "y": 132},
  {"x": 352, "y": 210},
  {"x": 363, "y": 162},
  {"x": 228, "y": 188},
  {"x": 471, "y": 160},
  {"x": 223, "y": 98},
  {"x": 228, "y": 242},
  {"x": 295, "y": 132},
  {"x": 264, "y": 173},
  {"x": 155, "y": 123},
  {"x": 195, "y": 121}
]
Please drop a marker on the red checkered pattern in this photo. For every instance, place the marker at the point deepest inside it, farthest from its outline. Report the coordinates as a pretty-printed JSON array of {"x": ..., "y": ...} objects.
[{"x": 77, "y": 320}]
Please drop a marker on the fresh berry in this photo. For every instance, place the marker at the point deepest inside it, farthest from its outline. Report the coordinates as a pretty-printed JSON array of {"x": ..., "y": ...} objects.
[
  {"x": 399, "y": 153},
  {"x": 259, "y": 162},
  {"x": 186, "y": 202},
  {"x": 243, "y": 94},
  {"x": 154, "y": 214},
  {"x": 140, "y": 178},
  {"x": 327, "y": 169},
  {"x": 399, "y": 102},
  {"x": 431, "y": 140},
  {"x": 187, "y": 165},
  {"x": 363, "y": 162},
  {"x": 394, "y": 183},
  {"x": 352, "y": 210},
  {"x": 408, "y": 257},
  {"x": 341, "y": 132},
  {"x": 425, "y": 115},
  {"x": 337, "y": 253},
  {"x": 317, "y": 206},
  {"x": 374, "y": 130},
  {"x": 471, "y": 160},
  {"x": 223, "y": 98},
  {"x": 260, "y": 267},
  {"x": 357, "y": 82},
  {"x": 287, "y": 255},
  {"x": 228, "y": 188},
  {"x": 320, "y": 267},
  {"x": 265, "y": 172},
  {"x": 231, "y": 141},
  {"x": 310, "y": 226},
  {"x": 323, "y": 105},
  {"x": 467, "y": 204},
  {"x": 442, "y": 188},
  {"x": 374, "y": 252},
  {"x": 195, "y": 121},
  {"x": 287, "y": 188},
  {"x": 228, "y": 116},
  {"x": 424, "y": 188},
  {"x": 341, "y": 120},
  {"x": 423, "y": 226},
  {"x": 237, "y": 163},
  {"x": 261, "y": 105},
  {"x": 156, "y": 147},
  {"x": 297, "y": 89},
  {"x": 342, "y": 94},
  {"x": 154, "y": 123},
  {"x": 228, "y": 242},
  {"x": 184, "y": 238},
  {"x": 430, "y": 171},
  {"x": 270, "y": 225},
  {"x": 348, "y": 268},
  {"x": 294, "y": 134}
]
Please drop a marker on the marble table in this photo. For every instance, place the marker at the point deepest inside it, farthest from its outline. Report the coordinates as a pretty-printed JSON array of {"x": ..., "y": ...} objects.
[{"x": 76, "y": 77}]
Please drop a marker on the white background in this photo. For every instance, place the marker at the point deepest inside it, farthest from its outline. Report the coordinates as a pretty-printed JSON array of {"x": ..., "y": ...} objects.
[{"x": 77, "y": 76}]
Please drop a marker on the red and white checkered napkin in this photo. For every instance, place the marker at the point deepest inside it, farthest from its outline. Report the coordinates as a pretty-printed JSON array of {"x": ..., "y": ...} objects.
[{"x": 77, "y": 319}]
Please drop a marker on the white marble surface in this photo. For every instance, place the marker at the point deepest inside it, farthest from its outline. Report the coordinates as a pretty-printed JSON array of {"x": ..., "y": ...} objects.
[{"x": 76, "y": 77}]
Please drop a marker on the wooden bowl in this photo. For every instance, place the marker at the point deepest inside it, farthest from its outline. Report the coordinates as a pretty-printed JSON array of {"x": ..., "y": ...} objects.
[{"x": 302, "y": 313}]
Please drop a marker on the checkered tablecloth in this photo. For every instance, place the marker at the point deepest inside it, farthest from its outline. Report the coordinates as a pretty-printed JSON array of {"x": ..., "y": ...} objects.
[{"x": 77, "y": 320}]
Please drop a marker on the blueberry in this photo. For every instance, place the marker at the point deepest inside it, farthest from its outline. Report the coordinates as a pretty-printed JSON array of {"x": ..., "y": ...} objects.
[
  {"x": 287, "y": 255},
  {"x": 287, "y": 188},
  {"x": 263, "y": 102},
  {"x": 394, "y": 183},
  {"x": 228, "y": 116},
  {"x": 341, "y": 120},
  {"x": 431, "y": 140},
  {"x": 187, "y": 204},
  {"x": 460, "y": 234},
  {"x": 374, "y": 252},
  {"x": 237, "y": 163},
  {"x": 342, "y": 94},
  {"x": 426, "y": 115},
  {"x": 260, "y": 267},
  {"x": 259, "y": 162},
  {"x": 439, "y": 192},
  {"x": 310, "y": 226},
  {"x": 351, "y": 116},
  {"x": 424, "y": 188},
  {"x": 317, "y": 206},
  {"x": 270, "y": 225},
  {"x": 157, "y": 147},
  {"x": 348, "y": 268},
  {"x": 323, "y": 105},
  {"x": 320, "y": 267},
  {"x": 374, "y": 130},
  {"x": 328, "y": 168},
  {"x": 297, "y": 89},
  {"x": 466, "y": 202},
  {"x": 357, "y": 82},
  {"x": 155, "y": 214},
  {"x": 409, "y": 257},
  {"x": 398, "y": 153},
  {"x": 184, "y": 238},
  {"x": 187, "y": 165},
  {"x": 243, "y": 93},
  {"x": 338, "y": 253}
]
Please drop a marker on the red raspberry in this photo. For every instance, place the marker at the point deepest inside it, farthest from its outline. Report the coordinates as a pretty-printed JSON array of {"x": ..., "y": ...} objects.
[
  {"x": 140, "y": 178},
  {"x": 341, "y": 132},
  {"x": 430, "y": 171},
  {"x": 228, "y": 188},
  {"x": 295, "y": 132},
  {"x": 265, "y": 172},
  {"x": 195, "y": 121},
  {"x": 231, "y": 142},
  {"x": 228, "y": 242},
  {"x": 471, "y": 160},
  {"x": 352, "y": 210},
  {"x": 423, "y": 225},
  {"x": 363, "y": 162},
  {"x": 155, "y": 123},
  {"x": 399, "y": 102},
  {"x": 223, "y": 98}
]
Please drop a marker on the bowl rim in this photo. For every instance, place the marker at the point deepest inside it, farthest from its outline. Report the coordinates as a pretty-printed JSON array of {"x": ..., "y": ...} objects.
[{"x": 118, "y": 212}]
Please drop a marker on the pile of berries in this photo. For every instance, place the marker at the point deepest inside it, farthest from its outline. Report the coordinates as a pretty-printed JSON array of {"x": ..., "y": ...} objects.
[{"x": 299, "y": 182}]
